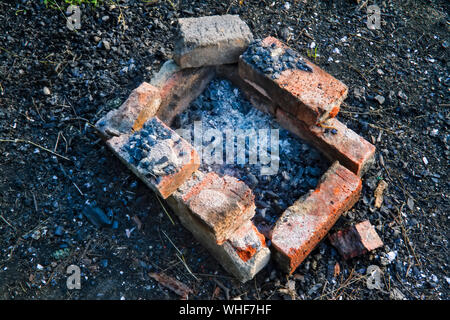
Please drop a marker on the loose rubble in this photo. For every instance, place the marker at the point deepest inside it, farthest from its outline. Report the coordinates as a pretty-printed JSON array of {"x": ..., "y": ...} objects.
[{"x": 356, "y": 240}]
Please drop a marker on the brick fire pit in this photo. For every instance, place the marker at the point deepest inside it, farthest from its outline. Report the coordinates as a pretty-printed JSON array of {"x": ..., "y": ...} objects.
[{"x": 218, "y": 209}]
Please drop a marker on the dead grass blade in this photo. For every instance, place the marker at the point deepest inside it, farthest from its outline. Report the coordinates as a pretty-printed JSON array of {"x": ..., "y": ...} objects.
[
  {"x": 36, "y": 145},
  {"x": 173, "y": 284}
]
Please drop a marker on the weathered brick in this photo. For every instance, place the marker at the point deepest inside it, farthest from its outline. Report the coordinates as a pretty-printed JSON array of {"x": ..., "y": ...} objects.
[
  {"x": 344, "y": 145},
  {"x": 303, "y": 225},
  {"x": 157, "y": 155},
  {"x": 178, "y": 88},
  {"x": 142, "y": 104},
  {"x": 222, "y": 204},
  {"x": 211, "y": 40},
  {"x": 247, "y": 241},
  {"x": 335, "y": 141},
  {"x": 356, "y": 240},
  {"x": 311, "y": 97},
  {"x": 243, "y": 255},
  {"x": 256, "y": 97}
]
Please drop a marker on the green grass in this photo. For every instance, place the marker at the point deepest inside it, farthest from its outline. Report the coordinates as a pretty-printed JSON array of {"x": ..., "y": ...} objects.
[{"x": 312, "y": 54}]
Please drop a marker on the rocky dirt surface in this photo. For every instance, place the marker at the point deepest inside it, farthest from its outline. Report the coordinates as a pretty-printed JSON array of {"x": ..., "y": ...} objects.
[{"x": 54, "y": 83}]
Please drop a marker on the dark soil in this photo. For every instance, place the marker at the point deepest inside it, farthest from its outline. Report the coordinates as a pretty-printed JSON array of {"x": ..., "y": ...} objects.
[{"x": 54, "y": 83}]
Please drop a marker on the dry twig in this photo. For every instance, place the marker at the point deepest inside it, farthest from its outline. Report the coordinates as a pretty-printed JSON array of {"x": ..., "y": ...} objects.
[{"x": 36, "y": 145}]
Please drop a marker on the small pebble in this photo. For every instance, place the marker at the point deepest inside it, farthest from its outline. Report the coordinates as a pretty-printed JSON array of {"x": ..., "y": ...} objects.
[
  {"x": 106, "y": 45},
  {"x": 380, "y": 99}
]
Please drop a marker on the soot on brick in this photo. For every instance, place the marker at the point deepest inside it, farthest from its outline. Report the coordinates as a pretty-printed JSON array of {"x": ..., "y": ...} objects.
[
  {"x": 272, "y": 63},
  {"x": 141, "y": 142},
  {"x": 222, "y": 106}
]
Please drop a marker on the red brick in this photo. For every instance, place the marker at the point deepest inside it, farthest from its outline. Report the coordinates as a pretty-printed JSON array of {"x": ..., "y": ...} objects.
[
  {"x": 368, "y": 235},
  {"x": 356, "y": 240},
  {"x": 243, "y": 255},
  {"x": 256, "y": 95},
  {"x": 178, "y": 88},
  {"x": 346, "y": 146},
  {"x": 311, "y": 97},
  {"x": 179, "y": 153},
  {"x": 222, "y": 204},
  {"x": 303, "y": 225},
  {"x": 142, "y": 104}
]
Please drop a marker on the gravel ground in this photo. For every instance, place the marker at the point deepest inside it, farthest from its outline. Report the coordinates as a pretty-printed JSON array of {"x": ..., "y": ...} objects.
[{"x": 55, "y": 83}]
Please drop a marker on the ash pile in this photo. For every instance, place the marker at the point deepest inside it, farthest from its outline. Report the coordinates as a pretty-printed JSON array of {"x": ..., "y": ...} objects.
[{"x": 223, "y": 107}]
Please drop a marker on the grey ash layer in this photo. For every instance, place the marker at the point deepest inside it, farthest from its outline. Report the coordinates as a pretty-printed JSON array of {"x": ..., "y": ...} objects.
[
  {"x": 222, "y": 106},
  {"x": 271, "y": 62},
  {"x": 139, "y": 147}
]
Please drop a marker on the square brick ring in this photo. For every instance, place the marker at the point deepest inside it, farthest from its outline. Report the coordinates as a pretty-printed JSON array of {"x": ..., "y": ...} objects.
[{"x": 218, "y": 209}]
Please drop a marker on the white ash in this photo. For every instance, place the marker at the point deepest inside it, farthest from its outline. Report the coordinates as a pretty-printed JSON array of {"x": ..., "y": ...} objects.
[{"x": 222, "y": 106}]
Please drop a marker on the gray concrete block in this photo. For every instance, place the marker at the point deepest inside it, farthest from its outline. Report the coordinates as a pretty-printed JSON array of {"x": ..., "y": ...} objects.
[{"x": 211, "y": 40}]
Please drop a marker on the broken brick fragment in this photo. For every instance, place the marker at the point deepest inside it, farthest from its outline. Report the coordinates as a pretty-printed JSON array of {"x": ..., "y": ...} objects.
[
  {"x": 312, "y": 97},
  {"x": 356, "y": 240},
  {"x": 157, "y": 155},
  {"x": 336, "y": 141},
  {"x": 304, "y": 224},
  {"x": 211, "y": 40},
  {"x": 222, "y": 204},
  {"x": 247, "y": 241},
  {"x": 142, "y": 104},
  {"x": 244, "y": 254}
]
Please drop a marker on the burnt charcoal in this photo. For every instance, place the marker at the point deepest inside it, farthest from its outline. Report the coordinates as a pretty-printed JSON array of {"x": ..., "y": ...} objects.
[
  {"x": 145, "y": 163},
  {"x": 253, "y": 181},
  {"x": 223, "y": 107},
  {"x": 96, "y": 216},
  {"x": 59, "y": 231},
  {"x": 265, "y": 59},
  {"x": 170, "y": 169},
  {"x": 162, "y": 160}
]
